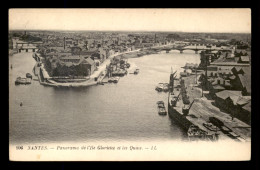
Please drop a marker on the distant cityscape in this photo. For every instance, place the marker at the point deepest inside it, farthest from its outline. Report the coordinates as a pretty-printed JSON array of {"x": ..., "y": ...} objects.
[{"x": 92, "y": 48}]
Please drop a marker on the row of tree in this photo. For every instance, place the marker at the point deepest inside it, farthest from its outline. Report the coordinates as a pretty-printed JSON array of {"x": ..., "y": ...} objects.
[
  {"x": 26, "y": 37},
  {"x": 63, "y": 70}
]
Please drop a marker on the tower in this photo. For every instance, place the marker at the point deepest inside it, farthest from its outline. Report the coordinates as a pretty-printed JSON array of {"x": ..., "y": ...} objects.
[
  {"x": 64, "y": 43},
  {"x": 87, "y": 45}
]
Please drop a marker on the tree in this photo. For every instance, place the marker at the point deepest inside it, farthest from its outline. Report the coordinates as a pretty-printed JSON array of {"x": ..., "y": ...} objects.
[
  {"x": 30, "y": 38},
  {"x": 173, "y": 36},
  {"x": 76, "y": 50}
]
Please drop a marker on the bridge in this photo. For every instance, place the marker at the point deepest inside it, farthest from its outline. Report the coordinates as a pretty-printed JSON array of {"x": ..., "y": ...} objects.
[{"x": 194, "y": 47}]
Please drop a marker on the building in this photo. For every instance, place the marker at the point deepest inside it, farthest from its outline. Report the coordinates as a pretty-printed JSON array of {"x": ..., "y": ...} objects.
[
  {"x": 218, "y": 84},
  {"x": 244, "y": 59},
  {"x": 241, "y": 79},
  {"x": 235, "y": 103},
  {"x": 90, "y": 65},
  {"x": 74, "y": 65}
]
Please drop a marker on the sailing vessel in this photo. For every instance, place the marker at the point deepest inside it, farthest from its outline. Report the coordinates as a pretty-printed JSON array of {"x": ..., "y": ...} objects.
[{"x": 179, "y": 110}]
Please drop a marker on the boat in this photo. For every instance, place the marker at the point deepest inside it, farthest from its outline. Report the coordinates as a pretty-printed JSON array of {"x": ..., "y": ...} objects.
[
  {"x": 159, "y": 87},
  {"x": 119, "y": 72},
  {"x": 165, "y": 87},
  {"x": 136, "y": 71},
  {"x": 28, "y": 75},
  {"x": 111, "y": 79},
  {"x": 161, "y": 108},
  {"x": 210, "y": 126},
  {"x": 220, "y": 125},
  {"x": 194, "y": 132},
  {"x": 20, "y": 80},
  {"x": 216, "y": 121},
  {"x": 127, "y": 65},
  {"x": 233, "y": 135},
  {"x": 225, "y": 129},
  {"x": 100, "y": 83},
  {"x": 116, "y": 79},
  {"x": 183, "y": 74},
  {"x": 192, "y": 123},
  {"x": 162, "y": 87},
  {"x": 176, "y": 108}
]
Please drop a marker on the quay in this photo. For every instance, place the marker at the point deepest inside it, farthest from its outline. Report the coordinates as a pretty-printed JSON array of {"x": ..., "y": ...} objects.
[{"x": 201, "y": 109}]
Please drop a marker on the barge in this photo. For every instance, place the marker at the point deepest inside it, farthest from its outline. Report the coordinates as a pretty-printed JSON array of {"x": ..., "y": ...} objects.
[{"x": 161, "y": 108}]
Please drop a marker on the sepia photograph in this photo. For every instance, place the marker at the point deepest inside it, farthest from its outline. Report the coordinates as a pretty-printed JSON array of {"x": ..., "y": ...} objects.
[{"x": 159, "y": 84}]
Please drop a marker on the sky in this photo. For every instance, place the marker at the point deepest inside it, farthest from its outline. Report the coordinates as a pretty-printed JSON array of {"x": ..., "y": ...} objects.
[{"x": 161, "y": 19}]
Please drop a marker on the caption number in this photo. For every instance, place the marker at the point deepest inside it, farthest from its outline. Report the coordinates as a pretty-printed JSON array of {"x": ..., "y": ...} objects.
[
  {"x": 19, "y": 147},
  {"x": 153, "y": 148}
]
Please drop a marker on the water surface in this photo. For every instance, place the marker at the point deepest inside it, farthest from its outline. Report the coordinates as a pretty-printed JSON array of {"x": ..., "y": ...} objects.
[{"x": 116, "y": 112}]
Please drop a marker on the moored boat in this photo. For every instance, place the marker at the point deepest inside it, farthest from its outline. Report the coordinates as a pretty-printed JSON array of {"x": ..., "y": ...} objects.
[
  {"x": 210, "y": 126},
  {"x": 111, "y": 79},
  {"x": 159, "y": 87},
  {"x": 162, "y": 87},
  {"x": 127, "y": 65},
  {"x": 28, "y": 75},
  {"x": 161, "y": 108},
  {"x": 136, "y": 71},
  {"x": 194, "y": 133},
  {"x": 20, "y": 80},
  {"x": 116, "y": 79}
]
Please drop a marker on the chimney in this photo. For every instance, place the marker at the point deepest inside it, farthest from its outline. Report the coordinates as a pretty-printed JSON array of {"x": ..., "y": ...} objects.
[{"x": 64, "y": 43}]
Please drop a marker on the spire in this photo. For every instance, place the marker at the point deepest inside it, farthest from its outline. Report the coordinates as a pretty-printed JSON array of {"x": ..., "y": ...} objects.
[{"x": 64, "y": 43}]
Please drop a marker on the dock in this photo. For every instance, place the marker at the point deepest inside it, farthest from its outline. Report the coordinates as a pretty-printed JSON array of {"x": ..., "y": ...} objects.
[{"x": 201, "y": 109}]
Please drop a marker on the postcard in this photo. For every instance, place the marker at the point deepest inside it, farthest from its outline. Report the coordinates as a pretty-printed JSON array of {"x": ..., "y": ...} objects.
[{"x": 129, "y": 84}]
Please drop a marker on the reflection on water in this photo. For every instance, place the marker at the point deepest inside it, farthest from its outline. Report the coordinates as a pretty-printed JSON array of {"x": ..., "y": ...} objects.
[{"x": 119, "y": 112}]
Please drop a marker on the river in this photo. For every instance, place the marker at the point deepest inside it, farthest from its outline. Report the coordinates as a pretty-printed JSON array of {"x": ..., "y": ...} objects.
[{"x": 113, "y": 112}]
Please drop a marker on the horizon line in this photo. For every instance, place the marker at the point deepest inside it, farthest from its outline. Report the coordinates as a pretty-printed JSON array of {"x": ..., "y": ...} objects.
[{"x": 129, "y": 31}]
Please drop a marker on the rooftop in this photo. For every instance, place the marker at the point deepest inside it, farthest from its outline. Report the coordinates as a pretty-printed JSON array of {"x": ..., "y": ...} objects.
[{"x": 227, "y": 93}]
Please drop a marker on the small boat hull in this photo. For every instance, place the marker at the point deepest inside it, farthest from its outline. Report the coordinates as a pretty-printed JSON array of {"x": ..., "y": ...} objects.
[{"x": 161, "y": 108}]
